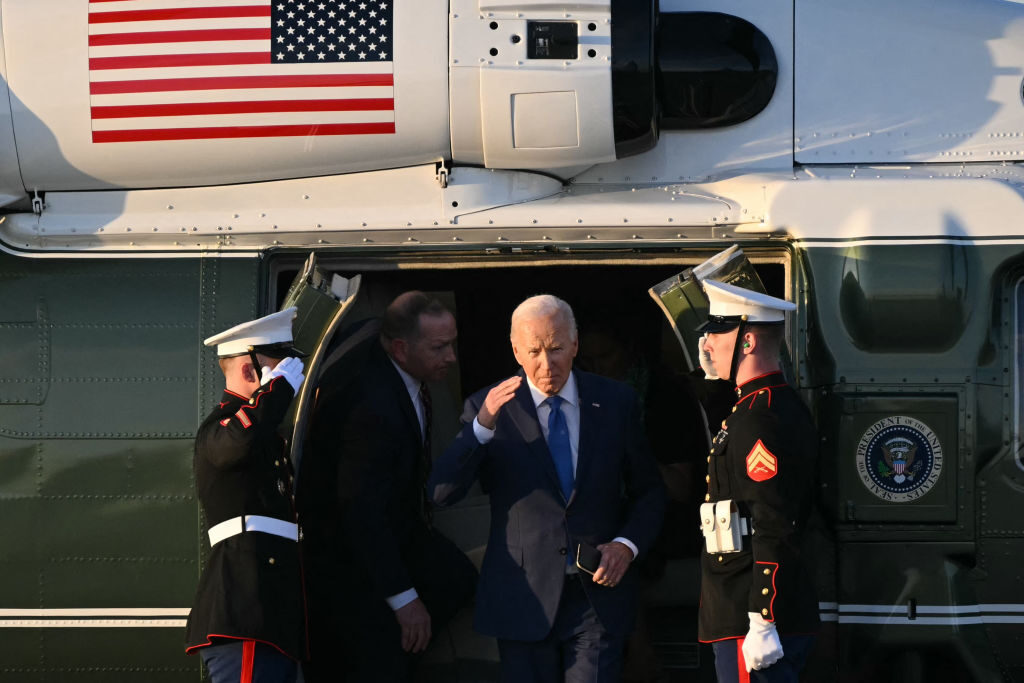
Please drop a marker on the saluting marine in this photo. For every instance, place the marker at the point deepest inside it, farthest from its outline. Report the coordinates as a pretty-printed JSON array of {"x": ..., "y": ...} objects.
[
  {"x": 248, "y": 619},
  {"x": 758, "y": 605}
]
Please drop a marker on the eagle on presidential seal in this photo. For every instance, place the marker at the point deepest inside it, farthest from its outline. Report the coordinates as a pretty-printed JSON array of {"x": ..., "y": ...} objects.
[{"x": 899, "y": 454}]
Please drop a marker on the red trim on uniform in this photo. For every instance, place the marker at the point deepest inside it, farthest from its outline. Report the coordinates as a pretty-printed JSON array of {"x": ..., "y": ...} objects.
[
  {"x": 243, "y": 418},
  {"x": 742, "y": 675},
  {"x": 241, "y": 415},
  {"x": 248, "y": 660},
  {"x": 754, "y": 394},
  {"x": 228, "y": 391},
  {"x": 225, "y": 422},
  {"x": 771, "y": 603},
  {"x": 210, "y": 643}
]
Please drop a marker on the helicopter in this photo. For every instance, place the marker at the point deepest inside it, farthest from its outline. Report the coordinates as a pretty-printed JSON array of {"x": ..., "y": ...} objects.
[{"x": 169, "y": 168}]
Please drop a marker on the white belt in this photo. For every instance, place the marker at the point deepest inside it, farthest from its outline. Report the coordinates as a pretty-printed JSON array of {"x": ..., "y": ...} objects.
[{"x": 268, "y": 525}]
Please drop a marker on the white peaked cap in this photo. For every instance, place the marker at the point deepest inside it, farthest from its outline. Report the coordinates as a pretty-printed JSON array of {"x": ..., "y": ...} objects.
[
  {"x": 732, "y": 302},
  {"x": 272, "y": 329}
]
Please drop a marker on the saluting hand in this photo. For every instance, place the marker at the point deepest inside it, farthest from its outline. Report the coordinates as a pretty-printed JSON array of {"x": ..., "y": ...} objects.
[
  {"x": 290, "y": 368},
  {"x": 615, "y": 560},
  {"x": 496, "y": 398}
]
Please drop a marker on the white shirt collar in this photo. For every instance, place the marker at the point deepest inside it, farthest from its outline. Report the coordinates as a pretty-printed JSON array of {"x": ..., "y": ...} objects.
[
  {"x": 568, "y": 392},
  {"x": 412, "y": 384}
]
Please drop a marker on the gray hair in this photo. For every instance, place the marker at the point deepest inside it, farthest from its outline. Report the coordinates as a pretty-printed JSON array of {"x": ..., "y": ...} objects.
[{"x": 542, "y": 306}]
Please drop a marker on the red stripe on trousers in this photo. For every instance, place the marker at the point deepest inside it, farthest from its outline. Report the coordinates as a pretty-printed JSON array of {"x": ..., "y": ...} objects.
[
  {"x": 248, "y": 659},
  {"x": 742, "y": 675}
]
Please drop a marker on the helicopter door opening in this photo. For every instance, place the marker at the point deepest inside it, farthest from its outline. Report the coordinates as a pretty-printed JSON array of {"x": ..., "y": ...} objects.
[
  {"x": 623, "y": 334},
  {"x": 323, "y": 302}
]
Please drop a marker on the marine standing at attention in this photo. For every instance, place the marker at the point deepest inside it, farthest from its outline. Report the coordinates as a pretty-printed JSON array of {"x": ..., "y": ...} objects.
[
  {"x": 758, "y": 604},
  {"x": 248, "y": 619}
]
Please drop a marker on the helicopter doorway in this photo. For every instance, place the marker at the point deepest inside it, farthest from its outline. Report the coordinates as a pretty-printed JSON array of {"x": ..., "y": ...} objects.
[{"x": 623, "y": 334}]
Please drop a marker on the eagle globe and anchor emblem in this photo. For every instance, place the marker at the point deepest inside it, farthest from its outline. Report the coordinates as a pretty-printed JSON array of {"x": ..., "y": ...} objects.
[{"x": 899, "y": 458}]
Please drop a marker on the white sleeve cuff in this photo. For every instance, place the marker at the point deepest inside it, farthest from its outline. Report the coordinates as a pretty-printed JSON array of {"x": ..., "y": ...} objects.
[
  {"x": 400, "y": 600},
  {"x": 629, "y": 544},
  {"x": 483, "y": 434}
]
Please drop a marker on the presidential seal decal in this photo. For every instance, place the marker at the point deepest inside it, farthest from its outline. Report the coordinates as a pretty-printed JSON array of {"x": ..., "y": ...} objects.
[{"x": 899, "y": 459}]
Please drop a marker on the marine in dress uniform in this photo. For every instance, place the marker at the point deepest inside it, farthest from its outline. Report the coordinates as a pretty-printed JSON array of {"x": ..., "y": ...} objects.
[
  {"x": 248, "y": 617},
  {"x": 758, "y": 606}
]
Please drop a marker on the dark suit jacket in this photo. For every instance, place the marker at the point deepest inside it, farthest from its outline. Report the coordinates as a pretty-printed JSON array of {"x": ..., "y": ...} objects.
[
  {"x": 618, "y": 493},
  {"x": 360, "y": 499}
]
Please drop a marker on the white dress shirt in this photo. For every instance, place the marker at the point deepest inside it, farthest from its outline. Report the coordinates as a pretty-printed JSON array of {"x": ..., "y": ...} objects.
[
  {"x": 412, "y": 385},
  {"x": 571, "y": 409}
]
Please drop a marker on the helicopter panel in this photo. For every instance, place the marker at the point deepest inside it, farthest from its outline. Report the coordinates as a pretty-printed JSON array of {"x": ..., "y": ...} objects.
[{"x": 932, "y": 82}]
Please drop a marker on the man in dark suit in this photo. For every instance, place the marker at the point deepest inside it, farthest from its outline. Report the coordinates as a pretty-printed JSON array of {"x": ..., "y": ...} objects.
[
  {"x": 381, "y": 579},
  {"x": 563, "y": 455}
]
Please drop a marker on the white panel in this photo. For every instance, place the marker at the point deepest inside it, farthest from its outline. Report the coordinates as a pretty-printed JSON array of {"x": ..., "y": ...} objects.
[
  {"x": 545, "y": 120},
  {"x": 762, "y": 143},
  {"x": 492, "y": 46},
  {"x": 914, "y": 80},
  {"x": 48, "y": 53},
  {"x": 832, "y": 205},
  {"x": 466, "y": 119}
]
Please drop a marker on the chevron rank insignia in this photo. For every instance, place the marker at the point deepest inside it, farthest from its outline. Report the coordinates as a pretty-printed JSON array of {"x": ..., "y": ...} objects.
[{"x": 761, "y": 464}]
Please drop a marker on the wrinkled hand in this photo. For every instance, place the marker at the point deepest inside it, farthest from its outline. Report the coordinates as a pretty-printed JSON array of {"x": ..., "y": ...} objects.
[
  {"x": 289, "y": 368},
  {"x": 414, "y": 619},
  {"x": 705, "y": 358},
  {"x": 496, "y": 398},
  {"x": 615, "y": 560},
  {"x": 761, "y": 648}
]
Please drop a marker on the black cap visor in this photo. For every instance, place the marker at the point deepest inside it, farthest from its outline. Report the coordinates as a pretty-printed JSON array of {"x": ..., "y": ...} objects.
[
  {"x": 716, "y": 324},
  {"x": 279, "y": 350}
]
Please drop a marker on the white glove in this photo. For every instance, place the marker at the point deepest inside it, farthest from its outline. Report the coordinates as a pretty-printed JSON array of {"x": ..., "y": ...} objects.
[
  {"x": 705, "y": 358},
  {"x": 289, "y": 368},
  {"x": 761, "y": 647}
]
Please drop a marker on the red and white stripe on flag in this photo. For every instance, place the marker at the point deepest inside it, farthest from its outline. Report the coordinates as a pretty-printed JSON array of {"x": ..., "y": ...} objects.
[{"x": 207, "y": 69}]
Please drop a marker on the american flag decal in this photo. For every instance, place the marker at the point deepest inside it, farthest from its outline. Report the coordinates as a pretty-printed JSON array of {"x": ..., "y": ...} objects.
[{"x": 208, "y": 69}]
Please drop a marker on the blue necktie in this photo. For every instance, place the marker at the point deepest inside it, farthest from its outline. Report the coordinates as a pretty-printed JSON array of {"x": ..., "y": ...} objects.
[{"x": 558, "y": 444}]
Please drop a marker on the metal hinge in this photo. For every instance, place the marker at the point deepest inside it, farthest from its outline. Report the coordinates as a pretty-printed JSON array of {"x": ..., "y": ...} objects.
[
  {"x": 443, "y": 173},
  {"x": 37, "y": 203}
]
